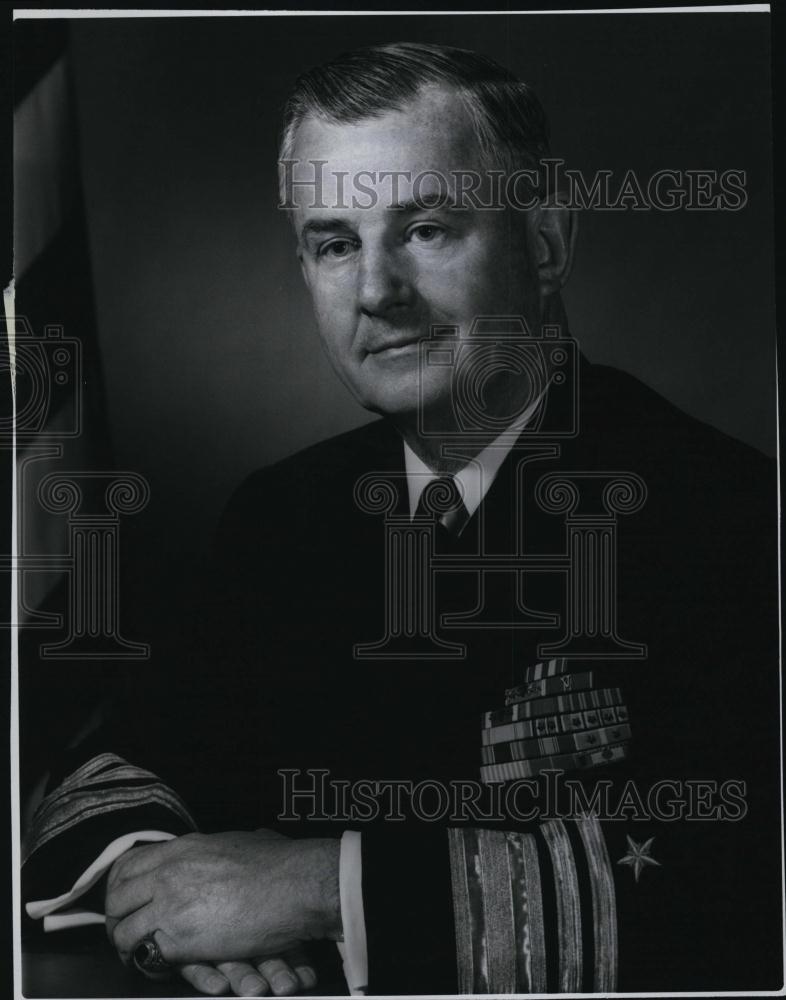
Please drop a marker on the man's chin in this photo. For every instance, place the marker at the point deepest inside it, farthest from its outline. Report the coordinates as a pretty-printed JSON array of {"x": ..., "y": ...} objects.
[
  {"x": 391, "y": 383},
  {"x": 388, "y": 390},
  {"x": 394, "y": 407},
  {"x": 408, "y": 410}
]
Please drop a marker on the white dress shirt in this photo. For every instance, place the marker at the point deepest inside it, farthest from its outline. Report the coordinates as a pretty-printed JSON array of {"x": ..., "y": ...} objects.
[{"x": 475, "y": 478}]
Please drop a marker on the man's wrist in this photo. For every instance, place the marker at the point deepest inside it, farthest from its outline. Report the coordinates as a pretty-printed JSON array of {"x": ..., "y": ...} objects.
[{"x": 324, "y": 899}]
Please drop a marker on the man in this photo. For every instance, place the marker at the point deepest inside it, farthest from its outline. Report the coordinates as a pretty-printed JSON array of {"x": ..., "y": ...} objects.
[{"x": 321, "y": 655}]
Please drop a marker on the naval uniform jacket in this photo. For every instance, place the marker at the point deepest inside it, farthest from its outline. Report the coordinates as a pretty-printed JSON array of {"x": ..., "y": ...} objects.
[{"x": 298, "y": 582}]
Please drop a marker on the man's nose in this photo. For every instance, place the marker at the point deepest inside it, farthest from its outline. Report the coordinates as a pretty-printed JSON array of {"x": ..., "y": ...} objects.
[{"x": 384, "y": 281}]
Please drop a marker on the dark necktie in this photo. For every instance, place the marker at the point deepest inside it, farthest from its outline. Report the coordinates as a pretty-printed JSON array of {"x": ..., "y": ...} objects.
[{"x": 441, "y": 500}]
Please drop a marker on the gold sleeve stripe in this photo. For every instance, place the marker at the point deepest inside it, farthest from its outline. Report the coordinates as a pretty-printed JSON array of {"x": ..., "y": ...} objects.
[
  {"x": 461, "y": 914},
  {"x": 604, "y": 904},
  {"x": 495, "y": 882},
  {"x": 528, "y": 913},
  {"x": 566, "y": 884}
]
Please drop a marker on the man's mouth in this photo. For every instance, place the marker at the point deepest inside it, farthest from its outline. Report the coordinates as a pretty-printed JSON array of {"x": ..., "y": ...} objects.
[{"x": 394, "y": 345}]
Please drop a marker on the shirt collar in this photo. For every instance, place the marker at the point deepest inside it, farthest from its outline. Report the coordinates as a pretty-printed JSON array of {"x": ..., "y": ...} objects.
[{"x": 475, "y": 479}]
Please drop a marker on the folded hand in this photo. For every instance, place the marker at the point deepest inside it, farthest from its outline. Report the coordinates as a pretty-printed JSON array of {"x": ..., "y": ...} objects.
[{"x": 224, "y": 896}]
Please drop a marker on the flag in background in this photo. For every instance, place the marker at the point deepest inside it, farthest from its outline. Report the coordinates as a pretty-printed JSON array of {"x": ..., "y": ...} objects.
[
  {"x": 64, "y": 420},
  {"x": 60, "y": 408}
]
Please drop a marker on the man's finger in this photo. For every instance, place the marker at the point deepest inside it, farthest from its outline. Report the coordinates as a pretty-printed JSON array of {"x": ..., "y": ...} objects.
[
  {"x": 124, "y": 897},
  {"x": 283, "y": 981},
  {"x": 244, "y": 979},
  {"x": 301, "y": 965},
  {"x": 130, "y": 931},
  {"x": 205, "y": 978},
  {"x": 139, "y": 860}
]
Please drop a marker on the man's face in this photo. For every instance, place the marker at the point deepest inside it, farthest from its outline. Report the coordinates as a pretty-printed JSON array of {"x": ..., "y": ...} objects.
[{"x": 380, "y": 277}]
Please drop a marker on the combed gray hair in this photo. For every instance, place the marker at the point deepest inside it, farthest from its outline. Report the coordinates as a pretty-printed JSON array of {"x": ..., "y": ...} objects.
[{"x": 508, "y": 120}]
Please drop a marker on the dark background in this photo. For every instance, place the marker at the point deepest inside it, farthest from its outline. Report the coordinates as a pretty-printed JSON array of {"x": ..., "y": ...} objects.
[{"x": 210, "y": 356}]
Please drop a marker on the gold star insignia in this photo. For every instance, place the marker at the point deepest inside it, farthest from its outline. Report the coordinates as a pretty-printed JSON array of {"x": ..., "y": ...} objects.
[{"x": 638, "y": 856}]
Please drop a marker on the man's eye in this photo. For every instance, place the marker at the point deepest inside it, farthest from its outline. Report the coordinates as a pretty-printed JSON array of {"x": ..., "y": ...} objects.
[
  {"x": 337, "y": 248},
  {"x": 426, "y": 233}
]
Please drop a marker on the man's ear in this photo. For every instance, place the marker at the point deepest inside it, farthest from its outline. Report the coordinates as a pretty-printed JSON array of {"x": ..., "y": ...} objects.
[{"x": 555, "y": 242}]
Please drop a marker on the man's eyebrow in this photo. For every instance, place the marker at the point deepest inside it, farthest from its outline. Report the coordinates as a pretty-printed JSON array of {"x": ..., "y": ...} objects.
[
  {"x": 316, "y": 226},
  {"x": 427, "y": 202}
]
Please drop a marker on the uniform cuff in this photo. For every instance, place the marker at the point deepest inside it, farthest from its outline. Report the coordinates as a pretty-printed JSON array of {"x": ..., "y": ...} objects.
[
  {"x": 353, "y": 949},
  {"x": 44, "y": 907}
]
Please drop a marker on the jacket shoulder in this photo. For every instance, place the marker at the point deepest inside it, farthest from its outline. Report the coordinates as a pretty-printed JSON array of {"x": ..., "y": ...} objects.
[
  {"x": 305, "y": 485},
  {"x": 346, "y": 453},
  {"x": 624, "y": 410}
]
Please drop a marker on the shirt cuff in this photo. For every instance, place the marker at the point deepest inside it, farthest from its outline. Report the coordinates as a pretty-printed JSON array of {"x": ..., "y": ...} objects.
[
  {"x": 353, "y": 949},
  {"x": 44, "y": 907}
]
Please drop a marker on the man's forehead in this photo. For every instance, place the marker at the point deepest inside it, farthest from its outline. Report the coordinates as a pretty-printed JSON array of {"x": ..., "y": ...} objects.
[{"x": 433, "y": 132}]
